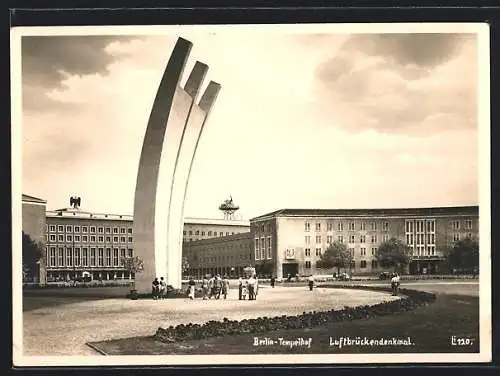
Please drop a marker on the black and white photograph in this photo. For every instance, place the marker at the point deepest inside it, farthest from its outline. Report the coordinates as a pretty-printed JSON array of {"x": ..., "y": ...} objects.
[{"x": 251, "y": 194}]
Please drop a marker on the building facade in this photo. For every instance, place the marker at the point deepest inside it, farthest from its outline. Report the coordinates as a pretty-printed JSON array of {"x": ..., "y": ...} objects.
[
  {"x": 205, "y": 228},
  {"x": 81, "y": 243},
  {"x": 34, "y": 225},
  {"x": 292, "y": 240},
  {"x": 224, "y": 255}
]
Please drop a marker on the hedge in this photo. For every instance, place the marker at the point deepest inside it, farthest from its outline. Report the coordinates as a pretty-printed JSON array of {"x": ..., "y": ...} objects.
[{"x": 410, "y": 300}]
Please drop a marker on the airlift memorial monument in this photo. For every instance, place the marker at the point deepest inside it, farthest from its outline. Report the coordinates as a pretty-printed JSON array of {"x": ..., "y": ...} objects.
[{"x": 170, "y": 142}]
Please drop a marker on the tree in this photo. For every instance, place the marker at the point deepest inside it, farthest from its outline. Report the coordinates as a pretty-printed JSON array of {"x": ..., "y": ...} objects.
[
  {"x": 393, "y": 253},
  {"x": 336, "y": 256},
  {"x": 464, "y": 255},
  {"x": 32, "y": 253},
  {"x": 133, "y": 265}
]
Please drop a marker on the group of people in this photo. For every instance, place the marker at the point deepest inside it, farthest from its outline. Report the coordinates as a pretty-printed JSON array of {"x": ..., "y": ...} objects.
[
  {"x": 395, "y": 283},
  {"x": 159, "y": 288},
  {"x": 248, "y": 287},
  {"x": 212, "y": 287}
]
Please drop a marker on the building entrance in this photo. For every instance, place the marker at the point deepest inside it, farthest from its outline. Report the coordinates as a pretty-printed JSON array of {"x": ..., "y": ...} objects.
[{"x": 291, "y": 269}]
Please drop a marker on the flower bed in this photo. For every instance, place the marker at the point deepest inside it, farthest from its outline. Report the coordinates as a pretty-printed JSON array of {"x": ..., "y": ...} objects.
[{"x": 411, "y": 299}]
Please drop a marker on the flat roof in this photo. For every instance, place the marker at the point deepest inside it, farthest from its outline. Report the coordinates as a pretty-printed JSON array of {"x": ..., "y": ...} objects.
[
  {"x": 28, "y": 198},
  {"x": 444, "y": 210}
]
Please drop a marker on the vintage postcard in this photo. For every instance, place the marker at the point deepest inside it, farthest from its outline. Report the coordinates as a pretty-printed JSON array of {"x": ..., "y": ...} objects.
[{"x": 251, "y": 194}]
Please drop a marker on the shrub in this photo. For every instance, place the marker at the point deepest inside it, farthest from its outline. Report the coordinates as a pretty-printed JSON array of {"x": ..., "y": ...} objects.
[{"x": 185, "y": 332}]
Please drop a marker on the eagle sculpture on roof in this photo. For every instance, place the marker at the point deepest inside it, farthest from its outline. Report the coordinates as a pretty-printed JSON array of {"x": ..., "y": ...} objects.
[{"x": 75, "y": 202}]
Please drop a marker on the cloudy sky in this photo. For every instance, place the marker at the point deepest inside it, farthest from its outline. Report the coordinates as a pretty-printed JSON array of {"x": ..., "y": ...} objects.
[{"x": 303, "y": 120}]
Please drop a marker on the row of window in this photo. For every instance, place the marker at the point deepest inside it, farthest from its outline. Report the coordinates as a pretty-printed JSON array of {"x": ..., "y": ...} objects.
[
  {"x": 243, "y": 256},
  {"x": 225, "y": 247},
  {"x": 209, "y": 233},
  {"x": 352, "y": 239},
  {"x": 467, "y": 224},
  {"x": 420, "y": 226},
  {"x": 263, "y": 248},
  {"x": 351, "y": 226},
  {"x": 362, "y": 264},
  {"x": 420, "y": 239},
  {"x": 88, "y": 238},
  {"x": 86, "y": 256},
  {"x": 457, "y": 236},
  {"x": 89, "y": 229}
]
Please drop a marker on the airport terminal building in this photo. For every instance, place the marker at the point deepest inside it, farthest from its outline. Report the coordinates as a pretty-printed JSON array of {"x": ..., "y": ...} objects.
[{"x": 292, "y": 240}]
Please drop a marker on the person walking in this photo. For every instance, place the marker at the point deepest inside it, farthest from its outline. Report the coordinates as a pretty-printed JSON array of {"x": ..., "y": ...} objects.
[
  {"x": 273, "y": 281},
  {"x": 225, "y": 286},
  {"x": 211, "y": 287},
  {"x": 251, "y": 288},
  {"x": 192, "y": 288},
  {"x": 205, "y": 287},
  {"x": 155, "y": 288},
  {"x": 311, "y": 282},
  {"x": 395, "y": 284},
  {"x": 240, "y": 288},
  {"x": 163, "y": 288},
  {"x": 217, "y": 286}
]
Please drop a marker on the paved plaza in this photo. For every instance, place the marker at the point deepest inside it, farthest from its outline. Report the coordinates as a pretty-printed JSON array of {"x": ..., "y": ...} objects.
[{"x": 64, "y": 329}]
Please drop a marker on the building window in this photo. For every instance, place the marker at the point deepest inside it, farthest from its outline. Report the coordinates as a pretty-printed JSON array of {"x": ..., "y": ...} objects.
[
  {"x": 430, "y": 239},
  {"x": 308, "y": 264},
  {"x": 92, "y": 229},
  {"x": 257, "y": 250},
  {"x": 116, "y": 261},
  {"x": 108, "y": 256},
  {"x": 362, "y": 226},
  {"x": 374, "y": 238},
  {"x": 307, "y": 227},
  {"x": 374, "y": 251},
  {"x": 430, "y": 226},
  {"x": 409, "y": 239},
  {"x": 60, "y": 256},
  {"x": 374, "y": 264},
  {"x": 373, "y": 226},
  {"x": 329, "y": 226},
  {"x": 318, "y": 251},
  {"x": 85, "y": 238},
  {"x": 122, "y": 239},
  {"x": 92, "y": 238},
  {"x": 203, "y": 233},
  {"x": 60, "y": 238},
  {"x": 52, "y": 238},
  {"x": 69, "y": 257},
  {"x": 77, "y": 256},
  {"x": 77, "y": 229},
  {"x": 352, "y": 239},
  {"x": 60, "y": 228},
  {"x": 115, "y": 239},
  {"x": 52, "y": 228},
  {"x": 362, "y": 238},
  {"x": 329, "y": 239},
  {"x": 269, "y": 255},
  {"x": 130, "y": 239},
  {"x": 362, "y": 264},
  {"x": 318, "y": 239},
  {"x": 363, "y": 251},
  {"x": 100, "y": 257},
  {"x": 340, "y": 238},
  {"x": 85, "y": 259},
  {"x": 385, "y": 226},
  {"x": 456, "y": 237},
  {"x": 197, "y": 232},
  {"x": 468, "y": 224},
  {"x": 77, "y": 238},
  {"x": 92, "y": 256},
  {"x": 69, "y": 238},
  {"x": 122, "y": 230},
  {"x": 351, "y": 226},
  {"x": 101, "y": 239},
  {"x": 52, "y": 256},
  {"x": 190, "y": 232},
  {"x": 340, "y": 226},
  {"x": 130, "y": 252},
  {"x": 307, "y": 251},
  {"x": 318, "y": 226},
  {"x": 108, "y": 239},
  {"x": 115, "y": 230},
  {"x": 100, "y": 230},
  {"x": 122, "y": 255},
  {"x": 210, "y": 233},
  {"x": 85, "y": 229},
  {"x": 351, "y": 251},
  {"x": 456, "y": 225},
  {"x": 69, "y": 228}
]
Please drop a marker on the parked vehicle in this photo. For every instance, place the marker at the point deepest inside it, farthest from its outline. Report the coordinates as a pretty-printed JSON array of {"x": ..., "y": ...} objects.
[
  {"x": 385, "y": 275},
  {"x": 344, "y": 277}
]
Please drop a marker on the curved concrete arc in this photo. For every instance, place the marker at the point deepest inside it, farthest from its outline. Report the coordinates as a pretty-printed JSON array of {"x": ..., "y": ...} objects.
[
  {"x": 144, "y": 225},
  {"x": 196, "y": 122}
]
